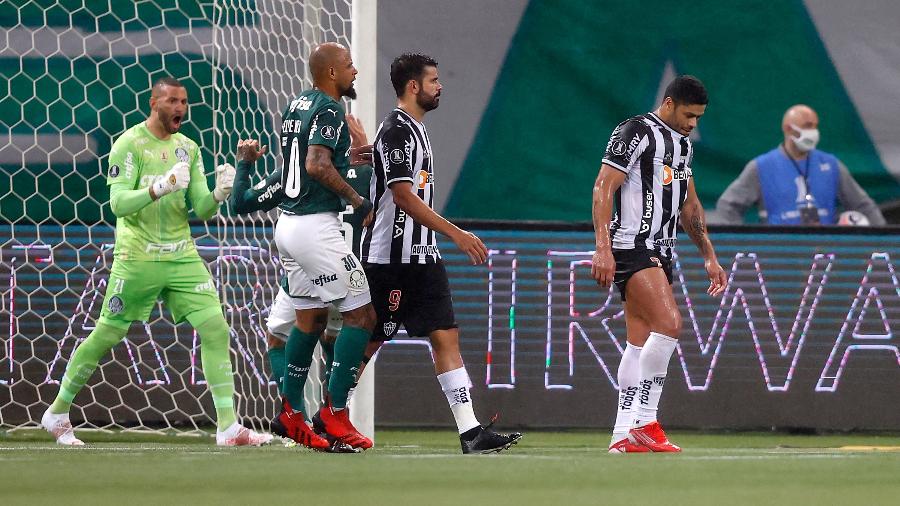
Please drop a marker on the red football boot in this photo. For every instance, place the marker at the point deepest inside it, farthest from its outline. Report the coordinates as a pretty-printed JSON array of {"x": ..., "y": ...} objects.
[
  {"x": 337, "y": 425},
  {"x": 626, "y": 446},
  {"x": 291, "y": 424},
  {"x": 653, "y": 437}
]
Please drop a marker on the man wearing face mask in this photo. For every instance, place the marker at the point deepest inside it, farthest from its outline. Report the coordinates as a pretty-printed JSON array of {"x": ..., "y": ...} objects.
[{"x": 795, "y": 183}]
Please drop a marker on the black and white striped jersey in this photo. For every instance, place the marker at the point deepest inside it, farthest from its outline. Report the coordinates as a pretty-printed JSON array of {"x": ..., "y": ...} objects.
[
  {"x": 402, "y": 153},
  {"x": 657, "y": 162}
]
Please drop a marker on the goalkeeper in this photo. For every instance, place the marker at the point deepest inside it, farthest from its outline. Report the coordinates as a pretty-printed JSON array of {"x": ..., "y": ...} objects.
[{"x": 153, "y": 172}]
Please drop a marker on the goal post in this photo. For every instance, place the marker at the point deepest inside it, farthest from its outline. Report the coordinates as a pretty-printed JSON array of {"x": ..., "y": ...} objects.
[{"x": 77, "y": 75}]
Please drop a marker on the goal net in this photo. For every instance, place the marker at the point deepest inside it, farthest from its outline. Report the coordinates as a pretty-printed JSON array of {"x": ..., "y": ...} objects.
[{"x": 76, "y": 76}]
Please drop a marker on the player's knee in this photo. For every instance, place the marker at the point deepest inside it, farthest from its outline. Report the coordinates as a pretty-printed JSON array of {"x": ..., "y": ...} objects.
[
  {"x": 274, "y": 342},
  {"x": 372, "y": 349},
  {"x": 669, "y": 325},
  {"x": 445, "y": 342},
  {"x": 328, "y": 338},
  {"x": 312, "y": 321},
  {"x": 107, "y": 336},
  {"x": 361, "y": 317}
]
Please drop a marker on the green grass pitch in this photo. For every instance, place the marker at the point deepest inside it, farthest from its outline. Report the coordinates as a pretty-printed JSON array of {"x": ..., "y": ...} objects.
[{"x": 425, "y": 468}]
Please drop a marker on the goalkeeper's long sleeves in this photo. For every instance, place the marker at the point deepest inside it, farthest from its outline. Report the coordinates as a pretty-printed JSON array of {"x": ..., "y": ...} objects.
[
  {"x": 245, "y": 199},
  {"x": 204, "y": 203},
  {"x": 125, "y": 201}
]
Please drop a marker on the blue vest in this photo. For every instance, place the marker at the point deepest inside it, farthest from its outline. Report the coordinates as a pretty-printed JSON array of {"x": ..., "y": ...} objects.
[{"x": 783, "y": 189}]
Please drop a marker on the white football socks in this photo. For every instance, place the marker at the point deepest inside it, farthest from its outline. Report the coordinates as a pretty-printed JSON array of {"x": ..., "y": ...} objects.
[
  {"x": 455, "y": 385},
  {"x": 654, "y": 363},
  {"x": 628, "y": 376}
]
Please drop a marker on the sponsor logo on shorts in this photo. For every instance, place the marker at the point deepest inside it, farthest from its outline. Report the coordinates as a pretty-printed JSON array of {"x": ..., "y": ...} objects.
[
  {"x": 205, "y": 287},
  {"x": 114, "y": 171},
  {"x": 389, "y": 328},
  {"x": 328, "y": 132},
  {"x": 324, "y": 279},
  {"x": 357, "y": 279},
  {"x": 182, "y": 155},
  {"x": 115, "y": 304},
  {"x": 656, "y": 261}
]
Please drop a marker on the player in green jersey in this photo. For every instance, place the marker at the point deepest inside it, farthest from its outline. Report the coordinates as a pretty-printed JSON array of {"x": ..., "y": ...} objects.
[
  {"x": 266, "y": 196},
  {"x": 321, "y": 269},
  {"x": 153, "y": 172}
]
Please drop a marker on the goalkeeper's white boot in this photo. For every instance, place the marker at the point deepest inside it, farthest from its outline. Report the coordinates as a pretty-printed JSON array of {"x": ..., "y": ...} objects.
[
  {"x": 61, "y": 428},
  {"x": 238, "y": 435}
]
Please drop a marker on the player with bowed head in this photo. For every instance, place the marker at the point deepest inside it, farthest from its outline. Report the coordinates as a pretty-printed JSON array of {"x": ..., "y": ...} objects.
[{"x": 646, "y": 175}]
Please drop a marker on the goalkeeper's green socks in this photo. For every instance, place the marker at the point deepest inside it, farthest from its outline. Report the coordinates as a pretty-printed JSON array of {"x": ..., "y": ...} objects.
[
  {"x": 83, "y": 363},
  {"x": 214, "y": 341},
  {"x": 349, "y": 349},
  {"x": 276, "y": 362},
  {"x": 298, "y": 354}
]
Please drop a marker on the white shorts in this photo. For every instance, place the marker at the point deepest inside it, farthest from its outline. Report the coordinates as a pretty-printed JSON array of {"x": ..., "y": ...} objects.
[
  {"x": 320, "y": 267},
  {"x": 282, "y": 317}
]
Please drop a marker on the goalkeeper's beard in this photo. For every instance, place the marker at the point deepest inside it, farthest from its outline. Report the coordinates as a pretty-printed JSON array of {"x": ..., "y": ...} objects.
[{"x": 171, "y": 126}]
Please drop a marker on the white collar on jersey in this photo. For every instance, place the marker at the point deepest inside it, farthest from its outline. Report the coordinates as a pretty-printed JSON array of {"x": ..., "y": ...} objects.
[{"x": 410, "y": 116}]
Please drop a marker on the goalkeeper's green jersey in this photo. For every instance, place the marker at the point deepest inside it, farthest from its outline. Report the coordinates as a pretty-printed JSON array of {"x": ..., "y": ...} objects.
[
  {"x": 312, "y": 118},
  {"x": 158, "y": 231}
]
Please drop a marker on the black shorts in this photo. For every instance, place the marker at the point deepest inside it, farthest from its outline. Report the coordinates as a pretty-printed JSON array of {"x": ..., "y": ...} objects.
[
  {"x": 630, "y": 261},
  {"x": 416, "y": 296}
]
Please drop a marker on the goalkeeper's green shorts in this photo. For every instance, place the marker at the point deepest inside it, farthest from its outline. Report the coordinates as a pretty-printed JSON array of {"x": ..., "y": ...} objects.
[{"x": 135, "y": 286}]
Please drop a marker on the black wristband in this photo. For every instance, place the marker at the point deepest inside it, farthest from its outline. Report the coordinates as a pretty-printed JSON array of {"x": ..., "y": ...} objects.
[{"x": 365, "y": 207}]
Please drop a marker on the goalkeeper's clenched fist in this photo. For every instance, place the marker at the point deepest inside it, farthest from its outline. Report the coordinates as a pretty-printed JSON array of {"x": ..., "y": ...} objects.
[
  {"x": 177, "y": 178},
  {"x": 224, "y": 182}
]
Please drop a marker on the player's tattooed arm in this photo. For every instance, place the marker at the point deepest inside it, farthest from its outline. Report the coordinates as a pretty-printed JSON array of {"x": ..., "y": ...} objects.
[
  {"x": 694, "y": 223},
  {"x": 320, "y": 168}
]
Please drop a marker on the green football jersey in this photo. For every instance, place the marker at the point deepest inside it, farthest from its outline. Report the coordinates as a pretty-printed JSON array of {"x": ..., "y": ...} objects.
[
  {"x": 312, "y": 118},
  {"x": 159, "y": 231},
  {"x": 359, "y": 177}
]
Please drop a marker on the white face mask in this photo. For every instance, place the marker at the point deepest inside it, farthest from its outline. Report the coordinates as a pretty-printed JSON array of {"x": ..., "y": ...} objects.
[{"x": 806, "y": 139}]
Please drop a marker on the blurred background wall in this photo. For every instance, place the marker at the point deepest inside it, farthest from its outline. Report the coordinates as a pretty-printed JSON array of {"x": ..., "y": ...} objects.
[{"x": 533, "y": 89}]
